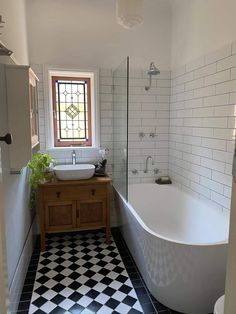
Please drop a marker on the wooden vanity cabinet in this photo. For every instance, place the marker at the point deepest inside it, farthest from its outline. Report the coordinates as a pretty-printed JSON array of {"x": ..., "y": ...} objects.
[{"x": 74, "y": 205}]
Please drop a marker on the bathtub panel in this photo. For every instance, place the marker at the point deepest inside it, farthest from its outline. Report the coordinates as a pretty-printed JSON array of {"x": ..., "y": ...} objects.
[{"x": 186, "y": 278}]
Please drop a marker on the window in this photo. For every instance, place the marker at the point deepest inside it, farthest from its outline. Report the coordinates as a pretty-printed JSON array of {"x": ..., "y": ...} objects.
[{"x": 71, "y": 98}]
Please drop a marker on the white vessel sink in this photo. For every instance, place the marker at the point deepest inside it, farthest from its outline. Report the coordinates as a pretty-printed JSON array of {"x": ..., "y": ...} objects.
[{"x": 74, "y": 172}]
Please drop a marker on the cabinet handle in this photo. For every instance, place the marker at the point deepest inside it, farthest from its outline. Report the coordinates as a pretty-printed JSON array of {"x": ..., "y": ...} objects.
[
  {"x": 7, "y": 138},
  {"x": 93, "y": 191},
  {"x": 58, "y": 194},
  {"x": 77, "y": 213}
]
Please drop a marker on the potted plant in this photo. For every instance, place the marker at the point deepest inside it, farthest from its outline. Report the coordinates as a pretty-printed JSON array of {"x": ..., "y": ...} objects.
[{"x": 39, "y": 165}]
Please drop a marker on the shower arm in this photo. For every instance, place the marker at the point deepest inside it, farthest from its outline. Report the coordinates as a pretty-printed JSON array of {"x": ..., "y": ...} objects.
[
  {"x": 152, "y": 71},
  {"x": 150, "y": 83}
]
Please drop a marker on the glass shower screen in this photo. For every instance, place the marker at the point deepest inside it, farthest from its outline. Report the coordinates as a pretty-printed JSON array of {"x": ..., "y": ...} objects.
[{"x": 120, "y": 127}]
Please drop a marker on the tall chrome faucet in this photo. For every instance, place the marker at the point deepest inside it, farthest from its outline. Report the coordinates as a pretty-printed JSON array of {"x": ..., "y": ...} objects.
[
  {"x": 146, "y": 167},
  {"x": 73, "y": 157}
]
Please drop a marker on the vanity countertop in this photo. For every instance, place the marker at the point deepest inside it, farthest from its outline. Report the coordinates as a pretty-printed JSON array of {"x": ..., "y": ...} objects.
[{"x": 93, "y": 180}]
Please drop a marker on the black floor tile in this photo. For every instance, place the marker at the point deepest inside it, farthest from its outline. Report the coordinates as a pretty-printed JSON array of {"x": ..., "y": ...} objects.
[
  {"x": 94, "y": 306},
  {"x": 148, "y": 308},
  {"x": 158, "y": 306},
  {"x": 29, "y": 281},
  {"x": 134, "y": 276},
  {"x": 112, "y": 303},
  {"x": 76, "y": 309},
  {"x": 72, "y": 276},
  {"x": 26, "y": 296},
  {"x": 24, "y": 305},
  {"x": 148, "y": 302},
  {"x": 28, "y": 288},
  {"x": 144, "y": 298},
  {"x": 137, "y": 283}
]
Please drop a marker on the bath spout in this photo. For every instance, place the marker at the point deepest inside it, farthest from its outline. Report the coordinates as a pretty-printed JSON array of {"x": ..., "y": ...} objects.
[
  {"x": 146, "y": 163},
  {"x": 73, "y": 157}
]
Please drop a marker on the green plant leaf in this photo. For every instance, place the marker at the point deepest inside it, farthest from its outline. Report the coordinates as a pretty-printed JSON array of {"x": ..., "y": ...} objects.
[{"x": 38, "y": 165}]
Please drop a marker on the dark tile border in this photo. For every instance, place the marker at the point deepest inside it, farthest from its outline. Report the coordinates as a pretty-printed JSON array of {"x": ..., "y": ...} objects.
[
  {"x": 28, "y": 287},
  {"x": 149, "y": 304}
]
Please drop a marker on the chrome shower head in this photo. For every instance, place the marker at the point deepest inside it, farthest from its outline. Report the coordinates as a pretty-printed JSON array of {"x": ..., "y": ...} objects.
[{"x": 153, "y": 70}]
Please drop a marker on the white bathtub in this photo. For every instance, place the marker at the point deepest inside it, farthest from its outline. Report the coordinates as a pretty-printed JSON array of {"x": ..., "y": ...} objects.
[{"x": 179, "y": 244}]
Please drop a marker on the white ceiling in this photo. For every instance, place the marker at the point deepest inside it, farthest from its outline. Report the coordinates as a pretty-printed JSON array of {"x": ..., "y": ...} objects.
[{"x": 85, "y": 33}]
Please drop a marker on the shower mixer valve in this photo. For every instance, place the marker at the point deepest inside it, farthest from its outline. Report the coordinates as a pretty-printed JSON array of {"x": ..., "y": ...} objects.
[
  {"x": 141, "y": 134},
  {"x": 156, "y": 171},
  {"x": 152, "y": 134}
]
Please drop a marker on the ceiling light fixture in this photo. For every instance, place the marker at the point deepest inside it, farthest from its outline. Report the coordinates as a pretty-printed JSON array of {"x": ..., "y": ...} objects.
[{"x": 129, "y": 13}]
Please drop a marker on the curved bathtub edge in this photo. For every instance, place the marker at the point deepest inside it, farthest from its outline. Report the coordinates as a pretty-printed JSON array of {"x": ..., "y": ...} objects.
[
  {"x": 156, "y": 257},
  {"x": 161, "y": 236}
]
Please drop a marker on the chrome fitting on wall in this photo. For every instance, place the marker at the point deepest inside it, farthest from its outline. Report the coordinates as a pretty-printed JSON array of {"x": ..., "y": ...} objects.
[
  {"x": 141, "y": 134},
  {"x": 156, "y": 170},
  {"x": 146, "y": 163},
  {"x": 134, "y": 171},
  {"x": 152, "y": 134}
]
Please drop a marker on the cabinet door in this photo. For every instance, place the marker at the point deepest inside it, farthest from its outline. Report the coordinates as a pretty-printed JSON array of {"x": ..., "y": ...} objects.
[
  {"x": 34, "y": 111},
  {"x": 60, "y": 216},
  {"x": 91, "y": 213}
]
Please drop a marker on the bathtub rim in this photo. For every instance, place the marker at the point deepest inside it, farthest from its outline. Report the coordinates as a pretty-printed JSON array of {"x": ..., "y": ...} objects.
[{"x": 141, "y": 222}]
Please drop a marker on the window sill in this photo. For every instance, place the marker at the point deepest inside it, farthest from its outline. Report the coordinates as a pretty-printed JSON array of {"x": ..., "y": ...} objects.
[
  {"x": 66, "y": 149},
  {"x": 83, "y": 154}
]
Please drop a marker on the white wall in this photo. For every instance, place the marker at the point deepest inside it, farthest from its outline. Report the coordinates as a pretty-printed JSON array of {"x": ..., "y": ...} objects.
[
  {"x": 18, "y": 217},
  {"x": 85, "y": 33},
  {"x": 14, "y": 31},
  {"x": 199, "y": 27},
  {"x": 202, "y": 125},
  {"x": 148, "y": 113}
]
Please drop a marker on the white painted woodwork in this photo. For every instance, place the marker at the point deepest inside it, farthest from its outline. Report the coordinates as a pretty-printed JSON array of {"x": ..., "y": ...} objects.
[
  {"x": 19, "y": 80},
  {"x": 4, "y": 297}
]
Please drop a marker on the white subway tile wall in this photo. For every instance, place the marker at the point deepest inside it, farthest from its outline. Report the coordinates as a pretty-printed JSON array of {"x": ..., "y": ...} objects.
[
  {"x": 192, "y": 114},
  {"x": 149, "y": 116},
  {"x": 148, "y": 113},
  {"x": 202, "y": 126}
]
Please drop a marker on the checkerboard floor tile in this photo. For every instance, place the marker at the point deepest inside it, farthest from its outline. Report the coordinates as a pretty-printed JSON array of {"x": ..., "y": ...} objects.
[{"x": 80, "y": 273}]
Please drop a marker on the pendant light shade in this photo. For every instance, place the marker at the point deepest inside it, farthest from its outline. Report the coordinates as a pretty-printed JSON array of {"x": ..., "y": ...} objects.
[{"x": 129, "y": 13}]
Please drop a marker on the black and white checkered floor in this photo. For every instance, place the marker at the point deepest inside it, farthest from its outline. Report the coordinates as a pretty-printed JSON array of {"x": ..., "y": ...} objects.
[{"x": 81, "y": 274}]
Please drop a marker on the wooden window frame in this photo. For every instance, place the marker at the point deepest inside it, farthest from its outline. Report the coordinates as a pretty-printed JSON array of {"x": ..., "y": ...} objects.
[{"x": 55, "y": 130}]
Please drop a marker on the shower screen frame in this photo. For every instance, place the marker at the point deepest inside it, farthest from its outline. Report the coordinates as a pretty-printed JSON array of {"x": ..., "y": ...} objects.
[{"x": 120, "y": 127}]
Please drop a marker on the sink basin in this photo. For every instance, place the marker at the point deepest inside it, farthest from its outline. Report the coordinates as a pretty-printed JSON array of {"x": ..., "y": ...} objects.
[{"x": 74, "y": 172}]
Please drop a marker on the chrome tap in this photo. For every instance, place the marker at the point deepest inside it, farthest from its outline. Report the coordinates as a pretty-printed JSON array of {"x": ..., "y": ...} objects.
[
  {"x": 147, "y": 159},
  {"x": 73, "y": 157}
]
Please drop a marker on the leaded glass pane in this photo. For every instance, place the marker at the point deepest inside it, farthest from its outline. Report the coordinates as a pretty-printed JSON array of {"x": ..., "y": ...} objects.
[{"x": 71, "y": 110}]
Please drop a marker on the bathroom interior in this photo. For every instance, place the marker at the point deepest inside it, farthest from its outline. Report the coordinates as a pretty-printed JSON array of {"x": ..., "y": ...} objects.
[{"x": 127, "y": 108}]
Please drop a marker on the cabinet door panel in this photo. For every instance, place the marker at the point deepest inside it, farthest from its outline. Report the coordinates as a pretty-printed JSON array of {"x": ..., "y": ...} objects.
[
  {"x": 60, "y": 215},
  {"x": 91, "y": 213},
  {"x": 34, "y": 113}
]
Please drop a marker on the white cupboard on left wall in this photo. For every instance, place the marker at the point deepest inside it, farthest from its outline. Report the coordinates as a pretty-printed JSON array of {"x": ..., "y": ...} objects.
[{"x": 22, "y": 102}]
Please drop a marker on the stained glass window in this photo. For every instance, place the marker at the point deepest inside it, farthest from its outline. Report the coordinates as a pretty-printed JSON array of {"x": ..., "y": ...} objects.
[{"x": 72, "y": 111}]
